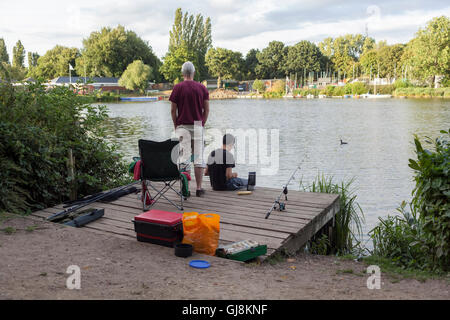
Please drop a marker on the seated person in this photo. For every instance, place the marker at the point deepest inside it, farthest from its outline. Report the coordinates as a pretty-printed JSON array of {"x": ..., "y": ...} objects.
[{"x": 219, "y": 167}]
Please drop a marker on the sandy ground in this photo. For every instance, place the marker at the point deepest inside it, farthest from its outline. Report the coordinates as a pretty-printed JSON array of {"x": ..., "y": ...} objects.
[{"x": 33, "y": 265}]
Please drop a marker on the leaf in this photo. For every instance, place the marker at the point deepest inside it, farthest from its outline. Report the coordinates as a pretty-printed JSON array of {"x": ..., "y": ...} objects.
[{"x": 414, "y": 165}]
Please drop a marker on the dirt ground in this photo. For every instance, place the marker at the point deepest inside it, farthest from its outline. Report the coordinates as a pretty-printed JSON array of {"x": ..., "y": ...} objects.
[{"x": 35, "y": 255}]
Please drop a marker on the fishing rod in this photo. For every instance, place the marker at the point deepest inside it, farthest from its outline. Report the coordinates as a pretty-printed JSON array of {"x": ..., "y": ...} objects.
[
  {"x": 91, "y": 200},
  {"x": 281, "y": 205}
]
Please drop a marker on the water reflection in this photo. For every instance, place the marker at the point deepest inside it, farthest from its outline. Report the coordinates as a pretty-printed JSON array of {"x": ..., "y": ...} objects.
[{"x": 379, "y": 135}]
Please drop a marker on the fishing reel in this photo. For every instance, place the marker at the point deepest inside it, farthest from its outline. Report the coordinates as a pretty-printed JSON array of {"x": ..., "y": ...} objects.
[
  {"x": 280, "y": 206},
  {"x": 285, "y": 191}
]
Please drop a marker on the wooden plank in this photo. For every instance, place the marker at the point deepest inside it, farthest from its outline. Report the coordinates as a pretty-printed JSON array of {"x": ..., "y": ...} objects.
[
  {"x": 259, "y": 217},
  {"x": 233, "y": 236},
  {"x": 242, "y": 217},
  {"x": 264, "y": 196},
  {"x": 111, "y": 211},
  {"x": 248, "y": 203},
  {"x": 225, "y": 217},
  {"x": 261, "y": 193},
  {"x": 230, "y": 234},
  {"x": 126, "y": 223},
  {"x": 213, "y": 207},
  {"x": 293, "y": 212},
  {"x": 295, "y": 242},
  {"x": 251, "y": 201}
]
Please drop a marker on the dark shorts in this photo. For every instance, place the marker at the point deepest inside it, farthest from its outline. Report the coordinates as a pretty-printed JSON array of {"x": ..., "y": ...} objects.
[{"x": 236, "y": 183}]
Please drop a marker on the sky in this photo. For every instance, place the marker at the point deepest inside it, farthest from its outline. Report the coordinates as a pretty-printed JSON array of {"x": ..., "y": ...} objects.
[{"x": 239, "y": 25}]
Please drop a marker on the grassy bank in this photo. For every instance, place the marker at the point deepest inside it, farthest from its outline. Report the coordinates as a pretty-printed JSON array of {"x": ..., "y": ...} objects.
[{"x": 416, "y": 92}]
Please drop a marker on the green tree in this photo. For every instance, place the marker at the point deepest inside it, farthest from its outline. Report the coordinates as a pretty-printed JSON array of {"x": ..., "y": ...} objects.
[
  {"x": 390, "y": 60},
  {"x": 32, "y": 61},
  {"x": 190, "y": 36},
  {"x": 4, "y": 61},
  {"x": 55, "y": 63},
  {"x": 326, "y": 47},
  {"x": 171, "y": 68},
  {"x": 18, "y": 55},
  {"x": 369, "y": 62},
  {"x": 224, "y": 64},
  {"x": 17, "y": 70},
  {"x": 4, "y": 57},
  {"x": 303, "y": 58},
  {"x": 108, "y": 52},
  {"x": 271, "y": 61},
  {"x": 429, "y": 51},
  {"x": 368, "y": 44},
  {"x": 136, "y": 76},
  {"x": 250, "y": 63},
  {"x": 344, "y": 51}
]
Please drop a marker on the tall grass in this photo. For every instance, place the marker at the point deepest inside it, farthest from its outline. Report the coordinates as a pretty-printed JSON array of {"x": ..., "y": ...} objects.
[
  {"x": 398, "y": 237},
  {"x": 346, "y": 237}
]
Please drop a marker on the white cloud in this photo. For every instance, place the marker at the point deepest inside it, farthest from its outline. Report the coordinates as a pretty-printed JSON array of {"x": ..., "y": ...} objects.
[{"x": 237, "y": 25}]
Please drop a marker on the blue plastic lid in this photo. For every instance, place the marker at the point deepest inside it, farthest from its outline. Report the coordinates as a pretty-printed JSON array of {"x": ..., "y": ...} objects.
[{"x": 199, "y": 264}]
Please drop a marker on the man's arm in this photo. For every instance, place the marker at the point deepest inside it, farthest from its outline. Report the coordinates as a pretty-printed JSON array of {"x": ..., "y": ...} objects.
[
  {"x": 205, "y": 110},
  {"x": 173, "y": 112},
  {"x": 230, "y": 174}
]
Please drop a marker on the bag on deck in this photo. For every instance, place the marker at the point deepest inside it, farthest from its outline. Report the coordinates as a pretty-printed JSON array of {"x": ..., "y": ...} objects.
[{"x": 201, "y": 231}]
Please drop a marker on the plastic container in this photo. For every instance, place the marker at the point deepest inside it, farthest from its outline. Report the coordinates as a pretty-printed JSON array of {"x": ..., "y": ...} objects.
[
  {"x": 159, "y": 227},
  {"x": 183, "y": 250}
]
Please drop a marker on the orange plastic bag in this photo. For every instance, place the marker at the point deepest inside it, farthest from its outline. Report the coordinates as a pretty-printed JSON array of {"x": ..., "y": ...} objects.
[{"x": 201, "y": 231}]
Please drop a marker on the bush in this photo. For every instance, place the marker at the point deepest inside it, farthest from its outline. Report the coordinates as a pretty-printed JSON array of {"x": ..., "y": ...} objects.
[
  {"x": 445, "y": 82},
  {"x": 259, "y": 86},
  {"x": 382, "y": 89},
  {"x": 328, "y": 91},
  {"x": 306, "y": 91},
  {"x": 355, "y": 88},
  {"x": 273, "y": 94},
  {"x": 421, "y": 238},
  {"x": 339, "y": 91},
  {"x": 37, "y": 130},
  {"x": 400, "y": 83},
  {"x": 278, "y": 87}
]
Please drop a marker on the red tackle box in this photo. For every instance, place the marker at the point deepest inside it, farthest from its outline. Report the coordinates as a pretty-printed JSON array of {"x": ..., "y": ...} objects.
[{"x": 159, "y": 227}]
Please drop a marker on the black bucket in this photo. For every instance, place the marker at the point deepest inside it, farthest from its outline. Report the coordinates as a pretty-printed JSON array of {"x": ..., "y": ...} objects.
[{"x": 183, "y": 250}]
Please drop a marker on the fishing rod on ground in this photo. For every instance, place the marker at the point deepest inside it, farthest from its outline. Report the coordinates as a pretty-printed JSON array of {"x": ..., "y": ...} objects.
[
  {"x": 277, "y": 203},
  {"x": 87, "y": 202}
]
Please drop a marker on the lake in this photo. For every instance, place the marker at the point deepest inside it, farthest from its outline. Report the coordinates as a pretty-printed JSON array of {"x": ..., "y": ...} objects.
[{"x": 379, "y": 133}]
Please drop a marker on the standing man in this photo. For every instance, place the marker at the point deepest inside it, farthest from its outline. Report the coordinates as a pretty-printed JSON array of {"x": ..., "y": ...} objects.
[{"x": 190, "y": 109}]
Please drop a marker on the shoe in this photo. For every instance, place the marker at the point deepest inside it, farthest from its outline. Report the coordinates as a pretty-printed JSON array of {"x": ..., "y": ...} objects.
[{"x": 200, "y": 193}]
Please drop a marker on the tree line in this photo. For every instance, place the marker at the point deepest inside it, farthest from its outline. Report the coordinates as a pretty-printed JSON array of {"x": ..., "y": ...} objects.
[{"x": 116, "y": 52}]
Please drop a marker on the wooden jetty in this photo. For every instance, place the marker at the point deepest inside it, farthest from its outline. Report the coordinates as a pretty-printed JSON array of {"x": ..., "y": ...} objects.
[{"x": 241, "y": 216}]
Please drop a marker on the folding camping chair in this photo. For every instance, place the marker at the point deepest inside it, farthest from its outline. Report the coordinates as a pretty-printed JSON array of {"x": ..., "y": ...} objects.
[{"x": 157, "y": 166}]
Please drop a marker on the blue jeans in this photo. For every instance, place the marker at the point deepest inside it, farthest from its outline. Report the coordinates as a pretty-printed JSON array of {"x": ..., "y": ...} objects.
[{"x": 236, "y": 183}]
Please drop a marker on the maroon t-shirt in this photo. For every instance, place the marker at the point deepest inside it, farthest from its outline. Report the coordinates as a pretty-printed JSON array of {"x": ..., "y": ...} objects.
[{"x": 190, "y": 98}]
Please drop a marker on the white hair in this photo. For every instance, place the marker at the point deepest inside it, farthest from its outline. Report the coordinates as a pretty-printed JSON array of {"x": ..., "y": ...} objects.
[{"x": 188, "y": 69}]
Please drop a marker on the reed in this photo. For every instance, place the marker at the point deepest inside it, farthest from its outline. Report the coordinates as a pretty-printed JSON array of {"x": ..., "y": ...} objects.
[{"x": 346, "y": 237}]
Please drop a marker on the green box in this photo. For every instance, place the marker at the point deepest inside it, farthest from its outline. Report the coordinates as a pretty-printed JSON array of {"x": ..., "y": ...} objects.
[{"x": 245, "y": 255}]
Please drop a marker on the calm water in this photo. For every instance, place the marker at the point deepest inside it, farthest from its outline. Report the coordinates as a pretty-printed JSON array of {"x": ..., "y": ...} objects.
[{"x": 379, "y": 135}]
